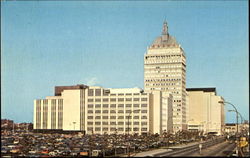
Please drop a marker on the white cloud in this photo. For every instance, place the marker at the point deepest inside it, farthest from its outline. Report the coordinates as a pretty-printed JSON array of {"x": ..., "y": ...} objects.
[{"x": 92, "y": 81}]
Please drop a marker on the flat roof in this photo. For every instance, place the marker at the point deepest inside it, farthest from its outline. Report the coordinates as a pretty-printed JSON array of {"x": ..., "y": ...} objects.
[{"x": 212, "y": 89}]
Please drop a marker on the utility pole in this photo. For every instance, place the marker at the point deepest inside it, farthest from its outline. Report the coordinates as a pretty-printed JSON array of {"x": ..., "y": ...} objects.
[{"x": 13, "y": 127}]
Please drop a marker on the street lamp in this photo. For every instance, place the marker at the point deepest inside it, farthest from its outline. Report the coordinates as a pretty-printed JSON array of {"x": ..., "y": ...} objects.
[
  {"x": 128, "y": 127},
  {"x": 236, "y": 114},
  {"x": 236, "y": 123},
  {"x": 241, "y": 118}
]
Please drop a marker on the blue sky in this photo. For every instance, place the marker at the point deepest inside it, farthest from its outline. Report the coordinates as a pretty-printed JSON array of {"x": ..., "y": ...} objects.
[{"x": 47, "y": 44}]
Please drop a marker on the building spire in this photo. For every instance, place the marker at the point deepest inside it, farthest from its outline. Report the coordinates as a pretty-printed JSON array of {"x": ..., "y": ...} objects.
[{"x": 165, "y": 28}]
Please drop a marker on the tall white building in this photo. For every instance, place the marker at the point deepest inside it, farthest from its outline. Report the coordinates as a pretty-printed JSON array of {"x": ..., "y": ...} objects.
[
  {"x": 205, "y": 112},
  {"x": 99, "y": 110},
  {"x": 165, "y": 70}
]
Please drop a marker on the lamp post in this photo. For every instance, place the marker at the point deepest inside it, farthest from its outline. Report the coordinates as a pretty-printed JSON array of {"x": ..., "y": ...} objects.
[
  {"x": 128, "y": 127},
  {"x": 236, "y": 123},
  {"x": 241, "y": 118},
  {"x": 236, "y": 114}
]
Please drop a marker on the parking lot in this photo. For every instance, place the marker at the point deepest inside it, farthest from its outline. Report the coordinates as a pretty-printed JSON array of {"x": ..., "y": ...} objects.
[{"x": 23, "y": 143}]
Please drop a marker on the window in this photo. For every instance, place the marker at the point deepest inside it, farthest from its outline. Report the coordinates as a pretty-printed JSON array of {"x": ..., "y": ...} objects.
[
  {"x": 90, "y": 117},
  {"x": 120, "y": 111},
  {"x": 136, "y": 123},
  {"x": 144, "y": 105},
  {"x": 112, "y": 111},
  {"x": 120, "y": 105},
  {"x": 144, "y": 111},
  {"x": 105, "y": 99},
  {"x": 98, "y": 100},
  {"x": 98, "y": 111},
  {"x": 90, "y": 123},
  {"x": 136, "y": 117},
  {"x": 104, "y": 129},
  {"x": 105, "y": 111},
  {"x": 112, "y": 123},
  {"x": 106, "y": 92},
  {"x": 128, "y": 105},
  {"x": 136, "y": 105},
  {"x": 113, "y": 105},
  {"x": 97, "y": 105},
  {"x": 120, "y": 94},
  {"x": 128, "y": 93},
  {"x": 97, "y": 129},
  {"x": 98, "y": 117},
  {"x": 90, "y": 92},
  {"x": 128, "y": 99},
  {"x": 120, "y": 129},
  {"x": 105, "y": 105},
  {"x": 120, "y": 99},
  {"x": 136, "y": 99},
  {"x": 105, "y": 123},
  {"x": 120, "y": 117},
  {"x": 113, "y": 99},
  {"x": 144, "y": 129},
  {"x": 105, "y": 117},
  {"x": 112, "y": 117},
  {"x": 120, "y": 123},
  {"x": 144, "y": 99},
  {"x": 144, "y": 123},
  {"x": 97, "y": 123},
  {"x": 90, "y": 105},
  {"x": 98, "y": 92},
  {"x": 136, "y": 129},
  {"x": 90, "y": 111},
  {"x": 144, "y": 117},
  {"x": 137, "y": 111},
  {"x": 128, "y": 111},
  {"x": 90, "y": 100}
]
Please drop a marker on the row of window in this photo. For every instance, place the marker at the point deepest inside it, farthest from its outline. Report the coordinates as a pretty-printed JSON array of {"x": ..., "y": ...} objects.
[
  {"x": 99, "y": 92},
  {"x": 115, "y": 99},
  {"x": 114, "y": 117},
  {"x": 162, "y": 56},
  {"x": 119, "y": 123},
  {"x": 115, "y": 129},
  {"x": 114, "y": 105},
  {"x": 114, "y": 111},
  {"x": 159, "y": 80}
]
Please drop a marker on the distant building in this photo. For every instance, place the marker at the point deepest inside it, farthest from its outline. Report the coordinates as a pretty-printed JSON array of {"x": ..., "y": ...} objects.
[
  {"x": 99, "y": 110},
  {"x": 230, "y": 128},
  {"x": 205, "y": 113},
  {"x": 165, "y": 70}
]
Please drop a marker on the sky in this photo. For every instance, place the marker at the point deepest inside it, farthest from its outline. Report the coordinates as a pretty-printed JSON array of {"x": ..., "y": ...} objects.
[{"x": 53, "y": 43}]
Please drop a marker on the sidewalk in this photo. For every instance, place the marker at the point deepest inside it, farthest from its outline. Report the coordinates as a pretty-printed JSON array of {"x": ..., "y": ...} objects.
[
  {"x": 150, "y": 153},
  {"x": 161, "y": 150}
]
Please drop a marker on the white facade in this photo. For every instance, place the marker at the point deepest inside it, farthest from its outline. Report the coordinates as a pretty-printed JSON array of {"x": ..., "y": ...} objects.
[
  {"x": 205, "y": 112},
  {"x": 99, "y": 110},
  {"x": 161, "y": 113},
  {"x": 165, "y": 70}
]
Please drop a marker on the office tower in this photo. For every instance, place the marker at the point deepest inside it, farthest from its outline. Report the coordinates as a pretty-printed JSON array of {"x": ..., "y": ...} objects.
[
  {"x": 165, "y": 70},
  {"x": 205, "y": 112}
]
